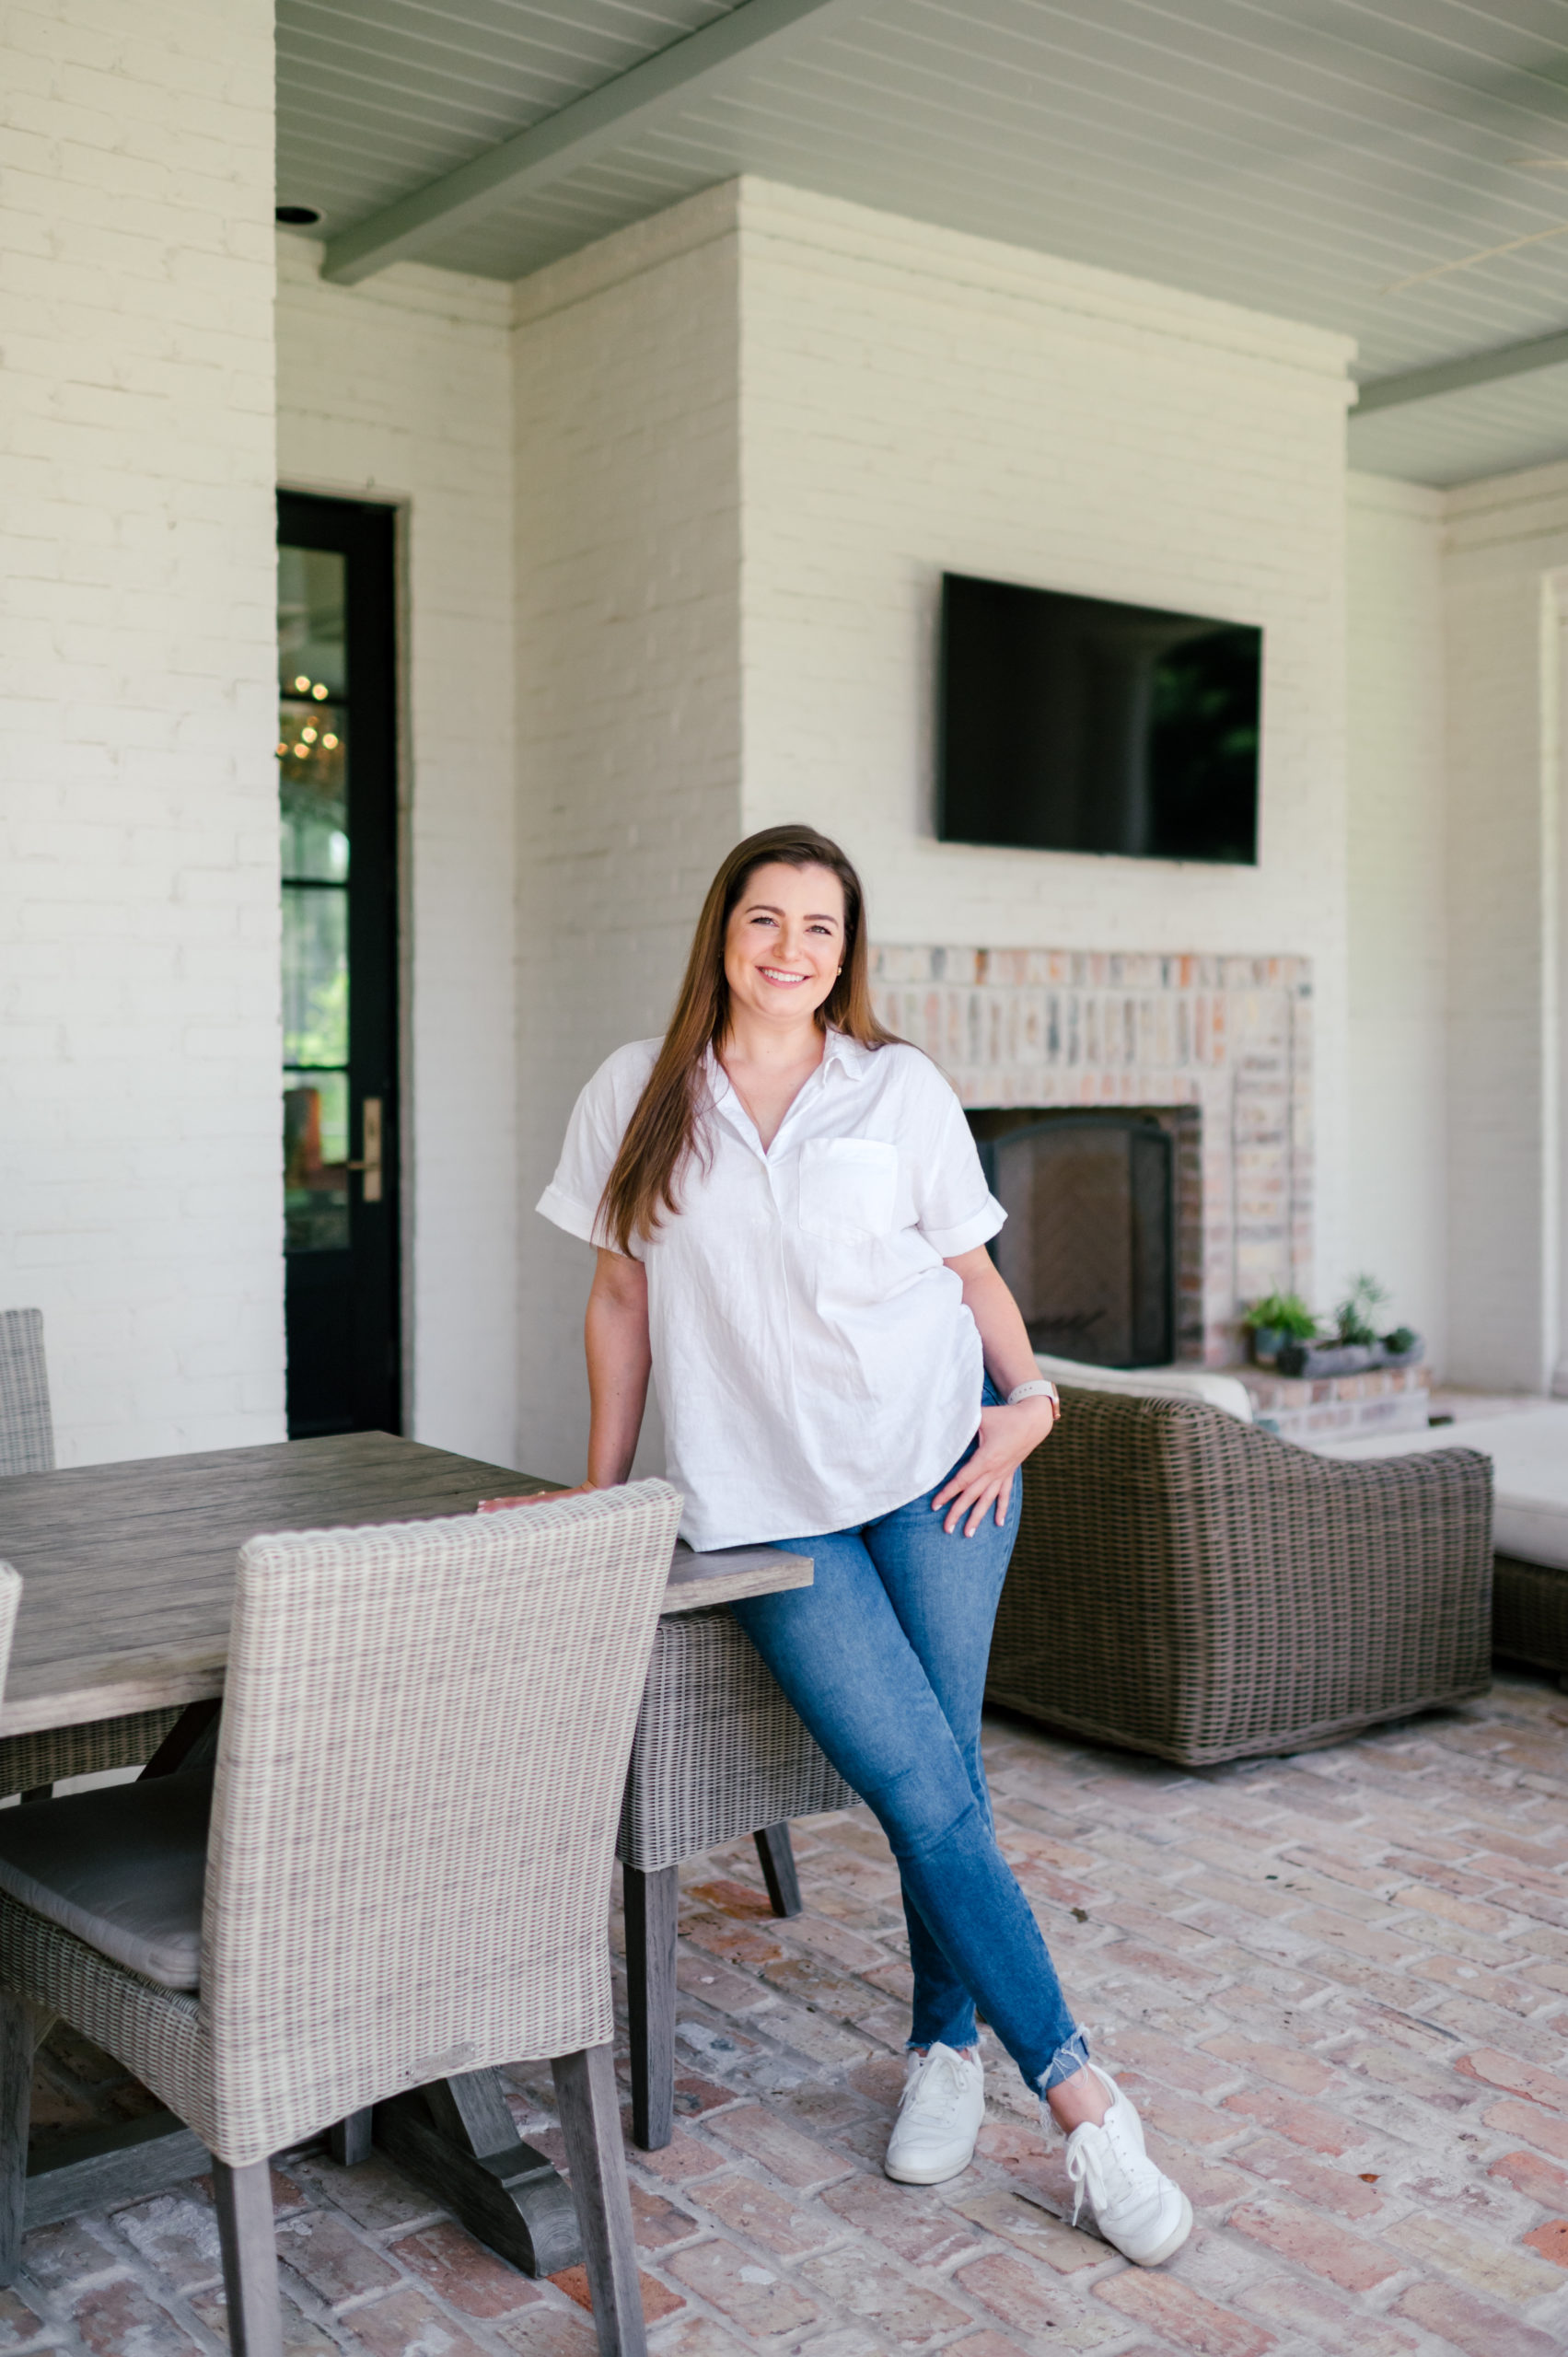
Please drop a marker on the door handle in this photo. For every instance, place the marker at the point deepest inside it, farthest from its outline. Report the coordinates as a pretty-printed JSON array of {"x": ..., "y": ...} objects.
[{"x": 371, "y": 1165}]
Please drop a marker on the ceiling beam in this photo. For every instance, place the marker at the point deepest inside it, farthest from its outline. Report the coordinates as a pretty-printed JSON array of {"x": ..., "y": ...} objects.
[
  {"x": 1454, "y": 375},
  {"x": 603, "y": 118}
]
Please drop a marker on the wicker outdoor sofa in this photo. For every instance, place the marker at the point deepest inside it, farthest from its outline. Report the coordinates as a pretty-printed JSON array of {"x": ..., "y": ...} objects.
[{"x": 1192, "y": 1586}]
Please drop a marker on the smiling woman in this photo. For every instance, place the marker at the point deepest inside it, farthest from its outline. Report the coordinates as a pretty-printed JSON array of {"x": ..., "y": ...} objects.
[
  {"x": 791, "y": 1223},
  {"x": 762, "y": 957}
]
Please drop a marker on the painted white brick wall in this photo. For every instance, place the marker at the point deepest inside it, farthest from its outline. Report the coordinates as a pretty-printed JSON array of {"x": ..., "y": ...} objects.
[
  {"x": 628, "y": 700},
  {"x": 1398, "y": 916},
  {"x": 751, "y": 435},
  {"x": 915, "y": 400},
  {"x": 399, "y": 390},
  {"x": 140, "y": 1192},
  {"x": 1505, "y": 538}
]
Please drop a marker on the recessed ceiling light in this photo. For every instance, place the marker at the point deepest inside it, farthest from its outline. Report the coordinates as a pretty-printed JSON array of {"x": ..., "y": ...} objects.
[{"x": 296, "y": 217}]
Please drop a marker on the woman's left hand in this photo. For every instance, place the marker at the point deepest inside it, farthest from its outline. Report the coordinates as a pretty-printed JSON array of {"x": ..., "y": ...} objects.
[{"x": 985, "y": 1479}]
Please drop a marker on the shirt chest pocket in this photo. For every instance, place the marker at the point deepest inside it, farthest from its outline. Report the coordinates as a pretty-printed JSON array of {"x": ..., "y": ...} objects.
[{"x": 848, "y": 1187}]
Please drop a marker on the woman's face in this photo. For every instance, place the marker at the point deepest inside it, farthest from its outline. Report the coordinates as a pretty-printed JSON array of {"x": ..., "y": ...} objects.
[{"x": 785, "y": 941}]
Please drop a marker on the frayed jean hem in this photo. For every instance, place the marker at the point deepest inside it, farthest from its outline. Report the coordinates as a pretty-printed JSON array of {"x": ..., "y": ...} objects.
[{"x": 1068, "y": 2058}]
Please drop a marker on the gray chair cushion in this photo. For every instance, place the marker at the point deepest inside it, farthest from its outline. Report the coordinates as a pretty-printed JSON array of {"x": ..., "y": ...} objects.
[{"x": 121, "y": 1869}]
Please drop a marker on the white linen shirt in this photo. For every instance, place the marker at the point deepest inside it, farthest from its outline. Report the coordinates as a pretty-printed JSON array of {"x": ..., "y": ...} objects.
[{"x": 816, "y": 1363}]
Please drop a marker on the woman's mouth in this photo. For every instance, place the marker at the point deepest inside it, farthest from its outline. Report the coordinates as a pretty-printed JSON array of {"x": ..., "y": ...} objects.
[{"x": 776, "y": 974}]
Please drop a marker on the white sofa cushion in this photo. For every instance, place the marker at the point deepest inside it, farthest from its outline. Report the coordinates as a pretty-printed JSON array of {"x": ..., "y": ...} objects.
[
  {"x": 1529, "y": 1455},
  {"x": 1154, "y": 1383}
]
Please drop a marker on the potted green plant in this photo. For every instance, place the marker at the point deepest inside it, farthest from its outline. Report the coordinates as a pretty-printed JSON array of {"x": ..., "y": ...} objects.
[
  {"x": 1278, "y": 1319},
  {"x": 1354, "y": 1317},
  {"x": 1354, "y": 1346}
]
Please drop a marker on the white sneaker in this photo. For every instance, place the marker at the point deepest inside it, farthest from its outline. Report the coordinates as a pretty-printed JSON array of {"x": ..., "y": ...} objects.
[
  {"x": 939, "y": 2116},
  {"x": 1135, "y": 2206}
]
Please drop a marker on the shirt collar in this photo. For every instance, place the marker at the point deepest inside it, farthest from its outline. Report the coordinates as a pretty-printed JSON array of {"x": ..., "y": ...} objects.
[
  {"x": 841, "y": 1052},
  {"x": 851, "y": 1058}
]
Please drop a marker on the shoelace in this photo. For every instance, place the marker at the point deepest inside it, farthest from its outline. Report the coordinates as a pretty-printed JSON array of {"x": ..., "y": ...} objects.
[
  {"x": 1077, "y": 2169},
  {"x": 939, "y": 2080},
  {"x": 1109, "y": 2162}
]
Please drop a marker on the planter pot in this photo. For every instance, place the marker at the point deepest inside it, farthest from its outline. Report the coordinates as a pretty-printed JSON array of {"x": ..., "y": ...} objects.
[
  {"x": 1314, "y": 1361},
  {"x": 1413, "y": 1357},
  {"x": 1267, "y": 1343}
]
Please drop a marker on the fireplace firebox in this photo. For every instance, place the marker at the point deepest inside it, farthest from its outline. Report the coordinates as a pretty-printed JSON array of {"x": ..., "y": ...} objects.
[{"x": 1089, "y": 1248}]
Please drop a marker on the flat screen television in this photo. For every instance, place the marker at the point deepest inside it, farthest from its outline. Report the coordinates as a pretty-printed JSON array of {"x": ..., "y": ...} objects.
[{"x": 1074, "y": 723}]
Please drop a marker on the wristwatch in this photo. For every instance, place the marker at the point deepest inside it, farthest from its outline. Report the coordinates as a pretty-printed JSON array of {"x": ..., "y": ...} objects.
[{"x": 1042, "y": 1389}]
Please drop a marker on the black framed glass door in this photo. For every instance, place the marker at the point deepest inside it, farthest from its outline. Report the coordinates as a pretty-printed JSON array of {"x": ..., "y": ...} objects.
[{"x": 338, "y": 805}]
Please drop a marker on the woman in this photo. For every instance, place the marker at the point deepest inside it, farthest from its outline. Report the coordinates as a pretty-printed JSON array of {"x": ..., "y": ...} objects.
[{"x": 791, "y": 1223}]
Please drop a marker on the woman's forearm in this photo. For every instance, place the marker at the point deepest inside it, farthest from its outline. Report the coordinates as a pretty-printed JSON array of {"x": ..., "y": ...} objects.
[
  {"x": 1009, "y": 1355},
  {"x": 615, "y": 1335}
]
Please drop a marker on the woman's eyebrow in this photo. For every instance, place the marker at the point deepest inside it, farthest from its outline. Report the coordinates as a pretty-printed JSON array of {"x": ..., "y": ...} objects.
[{"x": 771, "y": 908}]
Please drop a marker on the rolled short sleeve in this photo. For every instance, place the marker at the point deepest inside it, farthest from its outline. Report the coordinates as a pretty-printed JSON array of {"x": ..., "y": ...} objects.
[
  {"x": 593, "y": 1140},
  {"x": 955, "y": 1209}
]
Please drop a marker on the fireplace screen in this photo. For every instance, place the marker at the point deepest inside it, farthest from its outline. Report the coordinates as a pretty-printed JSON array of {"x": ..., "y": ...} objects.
[{"x": 1087, "y": 1248}]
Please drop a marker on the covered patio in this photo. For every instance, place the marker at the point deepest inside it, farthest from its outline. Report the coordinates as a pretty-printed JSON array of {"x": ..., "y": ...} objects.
[
  {"x": 624, "y": 387},
  {"x": 1333, "y": 1982}
]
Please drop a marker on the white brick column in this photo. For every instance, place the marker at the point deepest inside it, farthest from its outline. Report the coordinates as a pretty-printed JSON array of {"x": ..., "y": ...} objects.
[
  {"x": 140, "y": 1189},
  {"x": 628, "y": 570},
  {"x": 1505, "y": 557}
]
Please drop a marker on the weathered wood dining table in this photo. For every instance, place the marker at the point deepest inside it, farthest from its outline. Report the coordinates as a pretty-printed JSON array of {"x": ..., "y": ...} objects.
[{"x": 128, "y": 1577}]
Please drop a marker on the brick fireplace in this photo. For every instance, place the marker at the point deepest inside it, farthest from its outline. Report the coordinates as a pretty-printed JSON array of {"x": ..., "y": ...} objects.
[{"x": 1220, "y": 1048}]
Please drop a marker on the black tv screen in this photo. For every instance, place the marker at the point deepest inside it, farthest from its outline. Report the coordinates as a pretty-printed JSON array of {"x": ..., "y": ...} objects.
[{"x": 1073, "y": 723}]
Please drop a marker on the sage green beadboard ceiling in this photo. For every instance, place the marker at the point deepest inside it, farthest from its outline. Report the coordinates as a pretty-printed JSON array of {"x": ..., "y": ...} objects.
[{"x": 1299, "y": 156}]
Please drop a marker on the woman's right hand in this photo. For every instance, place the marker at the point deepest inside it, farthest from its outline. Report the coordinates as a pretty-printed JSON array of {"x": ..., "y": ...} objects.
[{"x": 536, "y": 1498}]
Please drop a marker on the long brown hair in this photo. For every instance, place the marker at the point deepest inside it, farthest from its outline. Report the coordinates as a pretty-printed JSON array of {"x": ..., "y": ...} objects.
[{"x": 663, "y": 1131}]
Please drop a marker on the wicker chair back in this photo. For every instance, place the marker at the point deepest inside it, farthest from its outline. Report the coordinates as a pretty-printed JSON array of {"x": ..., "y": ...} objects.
[
  {"x": 26, "y": 1428},
  {"x": 425, "y": 1733},
  {"x": 719, "y": 1752},
  {"x": 27, "y": 1445}
]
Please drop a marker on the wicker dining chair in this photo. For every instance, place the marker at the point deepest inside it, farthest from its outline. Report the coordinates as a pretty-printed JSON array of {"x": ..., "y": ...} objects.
[
  {"x": 26, "y": 1428},
  {"x": 406, "y": 1873},
  {"x": 719, "y": 1754},
  {"x": 1192, "y": 1586},
  {"x": 33, "y": 1764}
]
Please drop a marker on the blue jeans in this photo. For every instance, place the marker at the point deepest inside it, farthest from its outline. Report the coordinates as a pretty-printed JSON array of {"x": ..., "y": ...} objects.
[{"x": 884, "y": 1657}]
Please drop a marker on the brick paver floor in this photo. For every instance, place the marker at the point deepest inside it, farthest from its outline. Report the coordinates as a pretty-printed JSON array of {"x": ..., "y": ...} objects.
[{"x": 1337, "y": 1985}]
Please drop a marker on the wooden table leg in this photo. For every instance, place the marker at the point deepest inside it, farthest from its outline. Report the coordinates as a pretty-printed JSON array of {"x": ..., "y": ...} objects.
[
  {"x": 456, "y": 2137},
  {"x": 189, "y": 1741},
  {"x": 348, "y": 2140}
]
